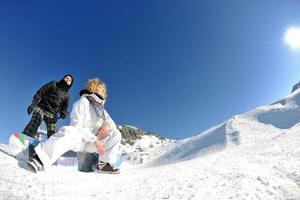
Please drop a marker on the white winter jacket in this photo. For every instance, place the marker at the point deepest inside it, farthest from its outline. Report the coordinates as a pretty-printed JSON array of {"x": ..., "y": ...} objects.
[{"x": 85, "y": 119}]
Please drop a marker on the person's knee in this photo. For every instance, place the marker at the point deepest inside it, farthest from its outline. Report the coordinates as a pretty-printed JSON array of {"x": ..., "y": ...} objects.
[
  {"x": 70, "y": 132},
  {"x": 37, "y": 115}
]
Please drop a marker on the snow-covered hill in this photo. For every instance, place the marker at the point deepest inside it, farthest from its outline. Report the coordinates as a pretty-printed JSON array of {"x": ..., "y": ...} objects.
[
  {"x": 258, "y": 127},
  {"x": 255, "y": 155}
]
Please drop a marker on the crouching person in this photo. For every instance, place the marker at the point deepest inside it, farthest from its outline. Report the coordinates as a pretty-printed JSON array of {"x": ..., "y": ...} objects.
[{"x": 91, "y": 130}]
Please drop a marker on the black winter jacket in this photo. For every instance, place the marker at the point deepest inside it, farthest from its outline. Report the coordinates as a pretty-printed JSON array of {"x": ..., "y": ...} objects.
[{"x": 52, "y": 98}]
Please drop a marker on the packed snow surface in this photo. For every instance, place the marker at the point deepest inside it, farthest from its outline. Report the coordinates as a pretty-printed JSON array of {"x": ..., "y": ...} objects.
[{"x": 255, "y": 155}]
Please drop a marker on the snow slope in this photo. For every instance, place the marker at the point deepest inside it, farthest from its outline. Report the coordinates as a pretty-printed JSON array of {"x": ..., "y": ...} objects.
[{"x": 255, "y": 155}]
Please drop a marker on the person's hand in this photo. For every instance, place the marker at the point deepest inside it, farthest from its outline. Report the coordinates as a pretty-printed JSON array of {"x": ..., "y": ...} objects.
[
  {"x": 30, "y": 109},
  {"x": 100, "y": 147},
  {"x": 63, "y": 115},
  {"x": 103, "y": 131}
]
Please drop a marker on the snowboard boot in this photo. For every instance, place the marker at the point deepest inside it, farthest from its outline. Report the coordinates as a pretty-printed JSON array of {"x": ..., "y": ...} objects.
[
  {"x": 35, "y": 164},
  {"x": 106, "y": 168},
  {"x": 31, "y": 151}
]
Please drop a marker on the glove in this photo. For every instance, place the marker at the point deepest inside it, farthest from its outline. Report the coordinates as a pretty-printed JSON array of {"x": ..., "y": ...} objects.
[
  {"x": 30, "y": 108},
  {"x": 63, "y": 115}
]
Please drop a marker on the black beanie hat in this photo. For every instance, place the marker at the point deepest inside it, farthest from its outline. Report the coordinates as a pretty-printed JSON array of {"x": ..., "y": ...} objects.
[
  {"x": 71, "y": 78},
  {"x": 63, "y": 85}
]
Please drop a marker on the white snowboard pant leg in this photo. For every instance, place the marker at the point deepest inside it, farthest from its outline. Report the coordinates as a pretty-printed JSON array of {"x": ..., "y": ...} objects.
[
  {"x": 67, "y": 138},
  {"x": 111, "y": 144}
]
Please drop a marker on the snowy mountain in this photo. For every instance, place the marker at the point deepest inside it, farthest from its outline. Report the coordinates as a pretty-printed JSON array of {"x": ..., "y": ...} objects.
[
  {"x": 263, "y": 123},
  {"x": 255, "y": 155}
]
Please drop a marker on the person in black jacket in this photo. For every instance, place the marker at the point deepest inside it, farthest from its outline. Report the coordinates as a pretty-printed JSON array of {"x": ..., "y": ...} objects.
[{"x": 49, "y": 104}]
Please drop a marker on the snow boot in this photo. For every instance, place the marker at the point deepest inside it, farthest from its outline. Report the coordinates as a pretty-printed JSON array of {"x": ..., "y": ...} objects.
[
  {"x": 106, "y": 168},
  {"x": 35, "y": 164}
]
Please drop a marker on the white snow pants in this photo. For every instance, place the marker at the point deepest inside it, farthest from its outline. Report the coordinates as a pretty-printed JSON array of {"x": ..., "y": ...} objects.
[{"x": 70, "y": 138}]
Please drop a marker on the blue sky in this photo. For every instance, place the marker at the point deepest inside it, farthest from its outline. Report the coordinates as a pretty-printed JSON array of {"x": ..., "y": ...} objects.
[{"x": 173, "y": 67}]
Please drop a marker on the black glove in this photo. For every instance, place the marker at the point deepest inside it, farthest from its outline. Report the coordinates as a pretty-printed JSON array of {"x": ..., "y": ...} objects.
[
  {"x": 30, "y": 108},
  {"x": 63, "y": 115}
]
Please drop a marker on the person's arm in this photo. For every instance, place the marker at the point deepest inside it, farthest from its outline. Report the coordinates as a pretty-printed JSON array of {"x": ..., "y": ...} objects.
[
  {"x": 107, "y": 125},
  {"x": 109, "y": 120},
  {"x": 38, "y": 96},
  {"x": 100, "y": 147},
  {"x": 79, "y": 111}
]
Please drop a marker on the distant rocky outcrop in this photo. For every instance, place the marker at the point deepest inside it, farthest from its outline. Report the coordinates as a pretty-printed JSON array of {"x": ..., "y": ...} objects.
[
  {"x": 131, "y": 134},
  {"x": 139, "y": 146}
]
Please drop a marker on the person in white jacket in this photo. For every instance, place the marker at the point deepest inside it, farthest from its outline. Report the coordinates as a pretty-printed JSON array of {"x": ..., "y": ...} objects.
[{"x": 91, "y": 130}]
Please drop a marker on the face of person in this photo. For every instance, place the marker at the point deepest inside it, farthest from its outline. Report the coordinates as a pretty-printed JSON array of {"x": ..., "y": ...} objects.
[
  {"x": 68, "y": 80},
  {"x": 100, "y": 90}
]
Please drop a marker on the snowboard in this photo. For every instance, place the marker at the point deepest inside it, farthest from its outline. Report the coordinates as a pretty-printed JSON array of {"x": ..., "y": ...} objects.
[{"x": 19, "y": 145}]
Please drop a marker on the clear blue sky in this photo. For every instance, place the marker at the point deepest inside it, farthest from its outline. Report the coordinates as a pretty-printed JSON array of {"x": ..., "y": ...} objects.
[{"x": 173, "y": 67}]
